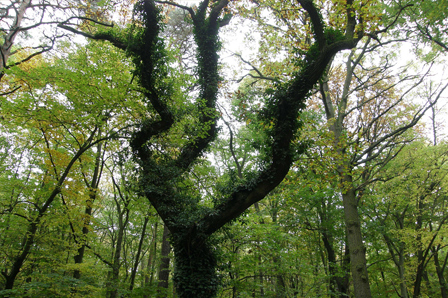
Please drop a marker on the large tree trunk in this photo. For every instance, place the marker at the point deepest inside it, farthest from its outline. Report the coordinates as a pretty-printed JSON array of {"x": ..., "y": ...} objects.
[
  {"x": 358, "y": 262},
  {"x": 195, "y": 264}
]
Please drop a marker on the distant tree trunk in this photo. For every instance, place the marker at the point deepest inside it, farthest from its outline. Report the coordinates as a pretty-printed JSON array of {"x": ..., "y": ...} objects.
[
  {"x": 338, "y": 284},
  {"x": 113, "y": 281},
  {"x": 401, "y": 271},
  {"x": 261, "y": 279},
  {"x": 93, "y": 186},
  {"x": 257, "y": 209},
  {"x": 29, "y": 238},
  {"x": 398, "y": 249},
  {"x": 164, "y": 271},
  {"x": 137, "y": 256},
  {"x": 440, "y": 270},
  {"x": 420, "y": 253},
  {"x": 27, "y": 243},
  {"x": 149, "y": 274},
  {"x": 280, "y": 285}
]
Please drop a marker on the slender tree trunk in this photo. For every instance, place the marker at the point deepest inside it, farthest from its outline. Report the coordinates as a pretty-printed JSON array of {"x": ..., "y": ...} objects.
[
  {"x": 441, "y": 277},
  {"x": 261, "y": 279},
  {"x": 113, "y": 282},
  {"x": 257, "y": 210},
  {"x": 358, "y": 262},
  {"x": 420, "y": 253},
  {"x": 418, "y": 276},
  {"x": 164, "y": 272},
  {"x": 401, "y": 272},
  {"x": 93, "y": 185},
  {"x": 151, "y": 260},
  {"x": 137, "y": 256},
  {"x": 29, "y": 238},
  {"x": 338, "y": 284},
  {"x": 280, "y": 285},
  {"x": 20, "y": 259}
]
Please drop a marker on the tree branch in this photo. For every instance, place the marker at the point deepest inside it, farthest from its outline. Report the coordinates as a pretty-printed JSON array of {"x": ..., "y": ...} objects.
[
  {"x": 318, "y": 28},
  {"x": 260, "y": 75},
  {"x": 189, "y": 9},
  {"x": 98, "y": 36}
]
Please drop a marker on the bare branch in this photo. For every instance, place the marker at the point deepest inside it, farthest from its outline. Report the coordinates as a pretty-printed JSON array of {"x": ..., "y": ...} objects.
[
  {"x": 11, "y": 91},
  {"x": 260, "y": 75},
  {"x": 189, "y": 9}
]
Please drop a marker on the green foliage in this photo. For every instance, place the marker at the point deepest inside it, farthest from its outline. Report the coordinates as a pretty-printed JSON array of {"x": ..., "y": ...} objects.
[{"x": 136, "y": 101}]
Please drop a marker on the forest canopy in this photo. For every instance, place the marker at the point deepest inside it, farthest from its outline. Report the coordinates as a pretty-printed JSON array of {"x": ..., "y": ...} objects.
[{"x": 223, "y": 148}]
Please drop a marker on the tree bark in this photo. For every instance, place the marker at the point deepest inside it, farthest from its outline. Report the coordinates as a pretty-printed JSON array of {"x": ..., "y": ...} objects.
[
  {"x": 420, "y": 253},
  {"x": 358, "y": 262}
]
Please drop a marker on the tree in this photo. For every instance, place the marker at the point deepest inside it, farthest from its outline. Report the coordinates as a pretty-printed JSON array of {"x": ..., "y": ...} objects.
[
  {"x": 367, "y": 146},
  {"x": 66, "y": 122},
  {"x": 413, "y": 217},
  {"x": 151, "y": 98},
  {"x": 191, "y": 224},
  {"x": 21, "y": 19},
  {"x": 426, "y": 21}
]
